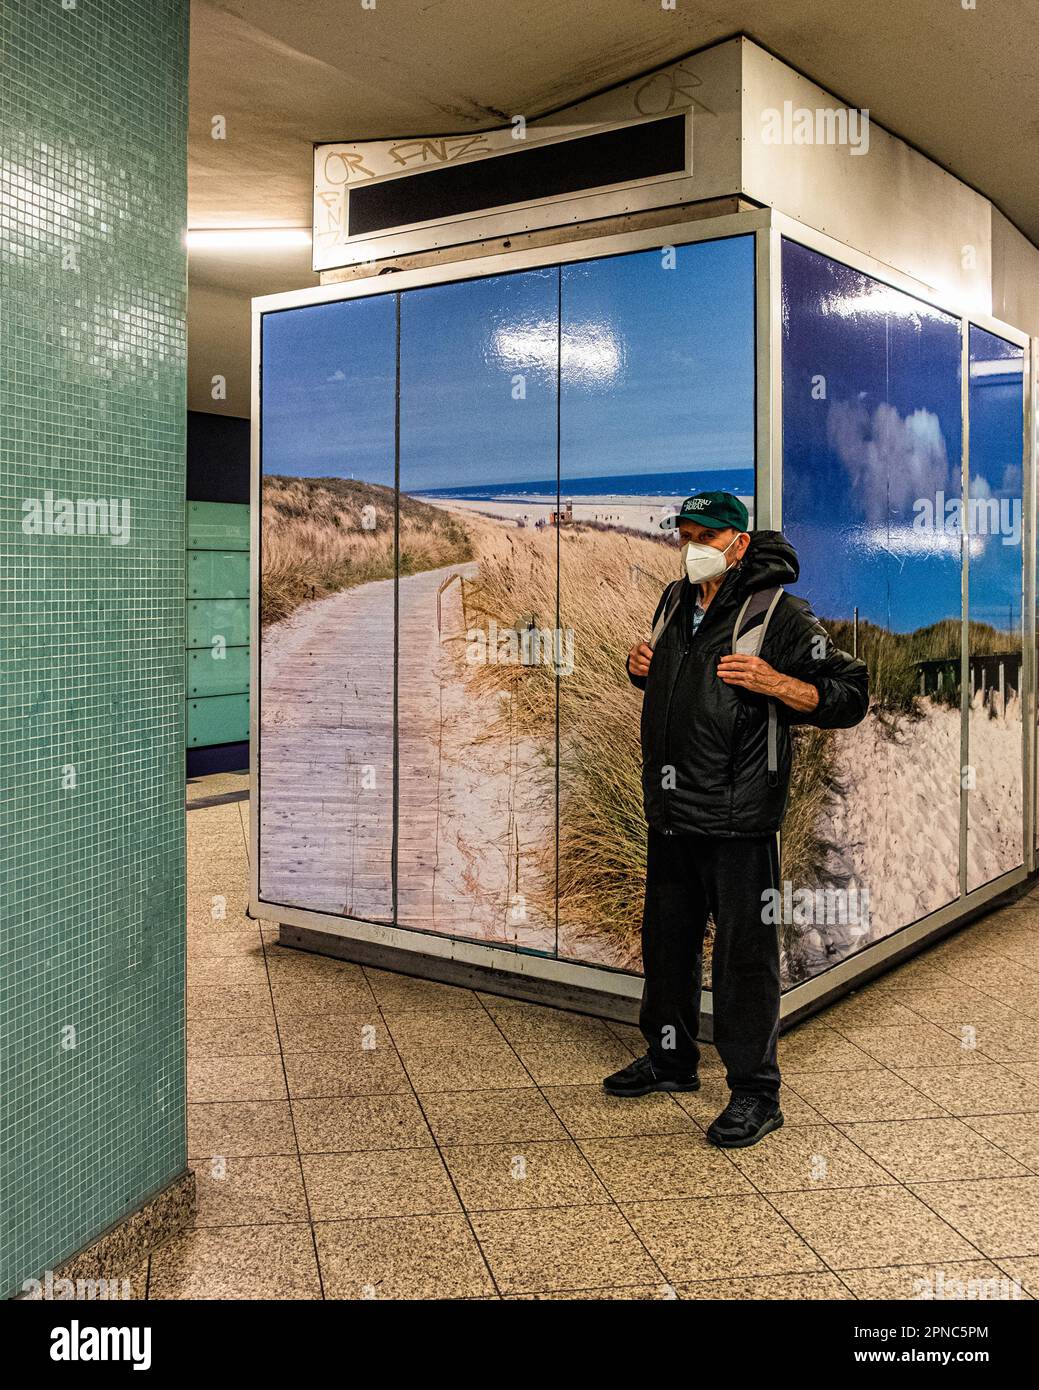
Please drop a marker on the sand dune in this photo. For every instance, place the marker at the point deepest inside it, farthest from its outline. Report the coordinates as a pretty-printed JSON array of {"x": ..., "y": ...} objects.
[
  {"x": 477, "y": 791},
  {"x": 899, "y": 820}
]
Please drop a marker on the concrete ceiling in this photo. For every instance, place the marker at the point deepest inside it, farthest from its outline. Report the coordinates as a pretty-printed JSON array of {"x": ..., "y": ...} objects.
[{"x": 960, "y": 84}]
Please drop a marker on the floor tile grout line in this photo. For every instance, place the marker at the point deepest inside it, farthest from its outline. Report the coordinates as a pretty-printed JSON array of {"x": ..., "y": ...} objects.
[
  {"x": 189, "y": 1059},
  {"x": 825, "y": 1262},
  {"x": 292, "y": 1115},
  {"x": 987, "y": 992},
  {"x": 764, "y": 1195},
  {"x": 623, "y": 1214},
  {"x": 846, "y": 1031},
  {"x": 978, "y": 951},
  {"x": 425, "y": 1118},
  {"x": 977, "y": 1051},
  {"x": 1015, "y": 1014},
  {"x": 891, "y": 1072},
  {"x": 980, "y": 1258},
  {"x": 954, "y": 982},
  {"x": 203, "y": 803},
  {"x": 614, "y": 1201},
  {"x": 611, "y": 1200},
  {"x": 1019, "y": 1283},
  {"x": 668, "y": 1283},
  {"x": 910, "y": 1264},
  {"x": 821, "y": 1120},
  {"x": 1033, "y": 1171},
  {"x": 905, "y": 1186},
  {"x": 925, "y": 1120},
  {"x": 935, "y": 1212},
  {"x": 1003, "y": 1065}
]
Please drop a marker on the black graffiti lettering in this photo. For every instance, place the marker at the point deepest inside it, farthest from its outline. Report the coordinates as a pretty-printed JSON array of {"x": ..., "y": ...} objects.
[{"x": 666, "y": 89}]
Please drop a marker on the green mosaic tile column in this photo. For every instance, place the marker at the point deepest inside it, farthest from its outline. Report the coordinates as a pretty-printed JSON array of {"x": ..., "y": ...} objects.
[{"x": 93, "y": 114}]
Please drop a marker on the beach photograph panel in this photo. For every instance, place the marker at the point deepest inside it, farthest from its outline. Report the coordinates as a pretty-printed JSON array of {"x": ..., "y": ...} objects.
[
  {"x": 872, "y": 445},
  {"x": 327, "y": 560},
  {"x": 995, "y": 732},
  {"x": 545, "y": 421},
  {"x": 476, "y": 720},
  {"x": 487, "y": 604},
  {"x": 657, "y": 403}
]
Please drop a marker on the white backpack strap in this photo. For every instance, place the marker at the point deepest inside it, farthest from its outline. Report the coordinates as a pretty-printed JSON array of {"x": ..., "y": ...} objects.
[
  {"x": 748, "y": 636},
  {"x": 748, "y": 633},
  {"x": 674, "y": 596}
]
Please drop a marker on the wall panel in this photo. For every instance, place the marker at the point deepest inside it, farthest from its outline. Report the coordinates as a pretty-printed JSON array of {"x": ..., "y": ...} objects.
[
  {"x": 328, "y": 556},
  {"x": 477, "y": 576},
  {"x": 93, "y": 129},
  {"x": 871, "y": 498},
  {"x": 995, "y": 799},
  {"x": 657, "y": 402}
]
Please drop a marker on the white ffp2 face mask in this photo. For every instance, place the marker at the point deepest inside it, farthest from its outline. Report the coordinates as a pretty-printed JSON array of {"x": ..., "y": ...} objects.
[{"x": 703, "y": 562}]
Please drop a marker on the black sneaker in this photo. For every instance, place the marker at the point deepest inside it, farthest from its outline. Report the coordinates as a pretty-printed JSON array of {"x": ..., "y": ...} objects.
[
  {"x": 744, "y": 1121},
  {"x": 642, "y": 1076}
]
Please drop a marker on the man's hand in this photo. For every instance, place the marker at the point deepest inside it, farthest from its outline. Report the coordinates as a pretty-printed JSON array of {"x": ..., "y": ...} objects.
[
  {"x": 761, "y": 678},
  {"x": 639, "y": 658}
]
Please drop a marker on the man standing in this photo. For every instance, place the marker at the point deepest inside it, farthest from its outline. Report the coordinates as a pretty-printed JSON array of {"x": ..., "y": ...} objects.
[{"x": 715, "y": 781}]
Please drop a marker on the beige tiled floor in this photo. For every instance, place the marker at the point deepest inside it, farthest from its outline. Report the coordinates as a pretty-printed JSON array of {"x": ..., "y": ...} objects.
[{"x": 359, "y": 1134}]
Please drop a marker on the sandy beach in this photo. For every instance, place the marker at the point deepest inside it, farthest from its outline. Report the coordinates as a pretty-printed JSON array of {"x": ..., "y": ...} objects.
[
  {"x": 898, "y": 824},
  {"x": 637, "y": 513}
]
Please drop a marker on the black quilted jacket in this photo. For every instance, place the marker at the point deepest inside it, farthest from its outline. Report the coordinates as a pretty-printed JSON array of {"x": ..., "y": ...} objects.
[{"x": 704, "y": 743}]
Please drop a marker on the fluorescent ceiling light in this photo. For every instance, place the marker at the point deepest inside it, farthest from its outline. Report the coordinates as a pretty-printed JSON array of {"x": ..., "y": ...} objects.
[{"x": 247, "y": 239}]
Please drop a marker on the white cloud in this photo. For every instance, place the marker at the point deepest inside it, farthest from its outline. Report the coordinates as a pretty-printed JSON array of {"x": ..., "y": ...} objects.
[{"x": 890, "y": 460}]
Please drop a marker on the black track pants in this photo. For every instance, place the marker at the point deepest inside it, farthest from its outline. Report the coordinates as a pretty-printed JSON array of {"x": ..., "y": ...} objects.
[{"x": 688, "y": 876}]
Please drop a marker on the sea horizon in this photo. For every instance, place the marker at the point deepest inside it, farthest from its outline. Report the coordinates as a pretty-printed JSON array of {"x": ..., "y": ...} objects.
[{"x": 662, "y": 486}]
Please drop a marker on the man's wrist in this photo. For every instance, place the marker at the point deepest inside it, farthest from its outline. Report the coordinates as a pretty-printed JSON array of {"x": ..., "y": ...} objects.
[{"x": 800, "y": 695}]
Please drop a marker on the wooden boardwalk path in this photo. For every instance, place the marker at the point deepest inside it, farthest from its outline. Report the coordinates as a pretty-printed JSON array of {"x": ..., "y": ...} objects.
[{"x": 475, "y": 810}]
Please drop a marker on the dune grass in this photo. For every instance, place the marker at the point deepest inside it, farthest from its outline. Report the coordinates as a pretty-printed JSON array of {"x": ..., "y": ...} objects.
[
  {"x": 894, "y": 680},
  {"x": 806, "y": 855},
  {"x": 315, "y": 540},
  {"x": 610, "y": 582},
  {"x": 315, "y": 543},
  {"x": 609, "y": 585}
]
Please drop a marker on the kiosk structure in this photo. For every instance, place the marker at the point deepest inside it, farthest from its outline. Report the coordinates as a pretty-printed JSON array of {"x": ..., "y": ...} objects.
[{"x": 710, "y": 277}]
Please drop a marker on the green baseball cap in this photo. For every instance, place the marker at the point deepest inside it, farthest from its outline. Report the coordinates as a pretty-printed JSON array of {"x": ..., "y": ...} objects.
[{"x": 717, "y": 509}]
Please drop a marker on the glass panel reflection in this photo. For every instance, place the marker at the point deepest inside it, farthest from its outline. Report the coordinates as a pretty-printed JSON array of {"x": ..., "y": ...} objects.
[{"x": 327, "y": 575}]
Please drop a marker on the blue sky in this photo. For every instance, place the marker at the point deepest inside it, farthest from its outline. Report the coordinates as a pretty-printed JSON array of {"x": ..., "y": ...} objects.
[
  {"x": 871, "y": 423},
  {"x": 328, "y": 390},
  {"x": 996, "y": 440},
  {"x": 657, "y": 374}
]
